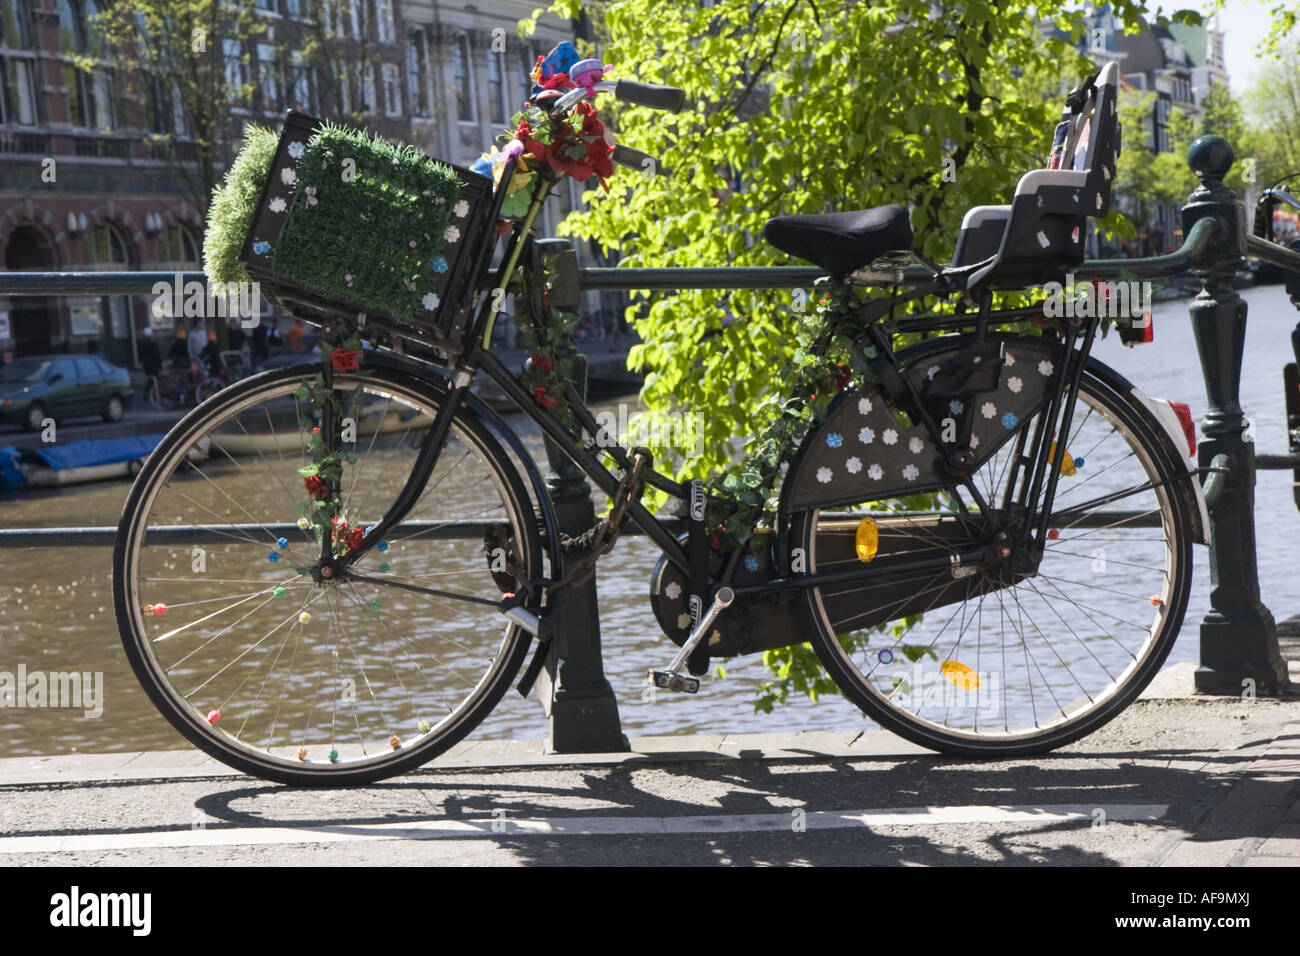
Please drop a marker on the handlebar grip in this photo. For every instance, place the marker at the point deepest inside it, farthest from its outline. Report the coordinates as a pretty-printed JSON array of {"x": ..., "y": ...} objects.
[
  {"x": 668, "y": 98},
  {"x": 637, "y": 160}
]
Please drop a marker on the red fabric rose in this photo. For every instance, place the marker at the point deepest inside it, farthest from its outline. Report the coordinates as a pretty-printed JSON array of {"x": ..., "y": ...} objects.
[
  {"x": 316, "y": 488},
  {"x": 843, "y": 378},
  {"x": 353, "y": 538},
  {"x": 541, "y": 363},
  {"x": 345, "y": 361},
  {"x": 543, "y": 398}
]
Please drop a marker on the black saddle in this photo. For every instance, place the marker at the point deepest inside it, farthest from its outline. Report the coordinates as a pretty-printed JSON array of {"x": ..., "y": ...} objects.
[{"x": 841, "y": 242}]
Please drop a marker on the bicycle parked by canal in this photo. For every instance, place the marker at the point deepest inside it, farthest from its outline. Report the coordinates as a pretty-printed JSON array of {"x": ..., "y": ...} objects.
[{"x": 986, "y": 538}]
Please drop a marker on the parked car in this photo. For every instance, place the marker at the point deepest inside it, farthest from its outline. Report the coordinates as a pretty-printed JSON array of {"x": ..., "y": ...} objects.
[{"x": 62, "y": 386}]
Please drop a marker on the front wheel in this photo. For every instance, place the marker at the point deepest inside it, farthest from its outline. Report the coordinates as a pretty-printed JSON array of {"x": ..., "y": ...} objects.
[
  {"x": 979, "y": 662},
  {"x": 322, "y": 679}
]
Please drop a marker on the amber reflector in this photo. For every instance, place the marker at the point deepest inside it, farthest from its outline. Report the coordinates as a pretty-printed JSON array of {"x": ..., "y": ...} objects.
[{"x": 867, "y": 540}]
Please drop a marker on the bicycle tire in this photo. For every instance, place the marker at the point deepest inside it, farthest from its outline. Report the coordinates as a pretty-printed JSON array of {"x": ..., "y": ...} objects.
[
  {"x": 172, "y": 473},
  {"x": 892, "y": 702}
]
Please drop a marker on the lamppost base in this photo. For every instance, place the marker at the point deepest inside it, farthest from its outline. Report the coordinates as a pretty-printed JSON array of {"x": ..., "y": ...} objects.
[{"x": 1226, "y": 670}]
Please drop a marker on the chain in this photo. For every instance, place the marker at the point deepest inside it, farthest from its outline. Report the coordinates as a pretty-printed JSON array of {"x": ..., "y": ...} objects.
[{"x": 599, "y": 541}]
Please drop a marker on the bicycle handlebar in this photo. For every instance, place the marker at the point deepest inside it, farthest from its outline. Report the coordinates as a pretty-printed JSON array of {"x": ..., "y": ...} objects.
[
  {"x": 640, "y": 161},
  {"x": 668, "y": 98}
]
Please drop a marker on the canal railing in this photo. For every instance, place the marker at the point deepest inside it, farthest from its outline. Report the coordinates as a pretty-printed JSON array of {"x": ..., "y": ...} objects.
[{"x": 1239, "y": 650}]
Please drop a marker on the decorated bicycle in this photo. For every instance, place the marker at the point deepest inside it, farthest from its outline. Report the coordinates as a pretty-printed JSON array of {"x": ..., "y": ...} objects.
[{"x": 331, "y": 573}]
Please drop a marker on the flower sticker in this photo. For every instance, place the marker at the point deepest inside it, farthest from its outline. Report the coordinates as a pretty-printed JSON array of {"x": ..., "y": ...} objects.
[
  {"x": 864, "y": 406},
  {"x": 916, "y": 445},
  {"x": 683, "y": 620},
  {"x": 866, "y": 436},
  {"x": 823, "y": 475},
  {"x": 956, "y": 407},
  {"x": 296, "y": 149},
  {"x": 1009, "y": 420},
  {"x": 988, "y": 410},
  {"x": 931, "y": 372},
  {"x": 438, "y": 264},
  {"x": 452, "y": 234},
  {"x": 430, "y": 301},
  {"x": 890, "y": 437},
  {"x": 834, "y": 440},
  {"x": 1015, "y": 384},
  {"x": 261, "y": 248},
  {"x": 974, "y": 441},
  {"x": 1010, "y": 360},
  {"x": 875, "y": 473},
  {"x": 288, "y": 176},
  {"x": 460, "y": 210},
  {"x": 673, "y": 591},
  {"x": 311, "y": 195},
  {"x": 277, "y": 204},
  {"x": 751, "y": 563},
  {"x": 911, "y": 472},
  {"x": 853, "y": 465},
  {"x": 1045, "y": 368}
]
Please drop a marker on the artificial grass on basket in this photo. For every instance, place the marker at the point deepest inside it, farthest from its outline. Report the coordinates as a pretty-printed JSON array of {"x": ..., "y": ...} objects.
[
  {"x": 368, "y": 235},
  {"x": 233, "y": 203},
  {"x": 369, "y": 238}
]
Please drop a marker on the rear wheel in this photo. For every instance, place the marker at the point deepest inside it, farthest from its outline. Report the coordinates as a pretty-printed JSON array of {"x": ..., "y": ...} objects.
[
  {"x": 257, "y": 658},
  {"x": 974, "y": 662}
]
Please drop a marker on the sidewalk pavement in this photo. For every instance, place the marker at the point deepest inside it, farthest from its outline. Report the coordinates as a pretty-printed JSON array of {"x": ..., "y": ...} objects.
[{"x": 1175, "y": 780}]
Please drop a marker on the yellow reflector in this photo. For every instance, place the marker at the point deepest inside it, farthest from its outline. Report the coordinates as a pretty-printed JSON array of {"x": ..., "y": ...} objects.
[
  {"x": 1067, "y": 460},
  {"x": 867, "y": 540},
  {"x": 960, "y": 675}
]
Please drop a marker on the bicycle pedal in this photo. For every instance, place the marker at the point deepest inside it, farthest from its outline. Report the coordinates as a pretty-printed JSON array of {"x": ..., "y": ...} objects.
[{"x": 669, "y": 680}]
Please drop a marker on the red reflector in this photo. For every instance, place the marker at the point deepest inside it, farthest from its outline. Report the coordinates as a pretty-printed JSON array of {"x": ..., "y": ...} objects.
[
  {"x": 1149, "y": 335},
  {"x": 1189, "y": 427}
]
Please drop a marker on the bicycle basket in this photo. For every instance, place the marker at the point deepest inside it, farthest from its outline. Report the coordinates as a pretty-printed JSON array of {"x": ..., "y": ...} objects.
[{"x": 352, "y": 225}]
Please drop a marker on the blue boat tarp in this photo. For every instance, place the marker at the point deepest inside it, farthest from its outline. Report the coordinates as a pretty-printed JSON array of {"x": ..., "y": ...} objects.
[{"x": 77, "y": 454}]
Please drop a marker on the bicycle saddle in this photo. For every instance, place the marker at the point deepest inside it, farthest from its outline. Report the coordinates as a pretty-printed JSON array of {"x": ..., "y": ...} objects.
[{"x": 841, "y": 242}]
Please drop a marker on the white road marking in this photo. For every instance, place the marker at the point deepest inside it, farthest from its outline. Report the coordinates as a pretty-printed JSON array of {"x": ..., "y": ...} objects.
[{"x": 584, "y": 826}]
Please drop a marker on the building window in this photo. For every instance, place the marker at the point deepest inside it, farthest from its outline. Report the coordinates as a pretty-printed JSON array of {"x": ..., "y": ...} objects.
[
  {"x": 268, "y": 76},
  {"x": 107, "y": 247},
  {"x": 17, "y": 92},
  {"x": 527, "y": 62},
  {"x": 180, "y": 245},
  {"x": 159, "y": 109},
  {"x": 266, "y": 6},
  {"x": 93, "y": 100},
  {"x": 392, "y": 89},
  {"x": 461, "y": 79},
  {"x": 417, "y": 72},
  {"x": 496, "y": 87},
  {"x": 384, "y": 21},
  {"x": 16, "y": 25},
  {"x": 236, "y": 72},
  {"x": 356, "y": 18},
  {"x": 302, "y": 86},
  {"x": 367, "y": 104},
  {"x": 293, "y": 7}
]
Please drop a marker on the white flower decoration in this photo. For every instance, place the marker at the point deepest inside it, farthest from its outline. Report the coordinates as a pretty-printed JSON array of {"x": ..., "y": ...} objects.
[
  {"x": 288, "y": 176},
  {"x": 988, "y": 410},
  {"x": 864, "y": 406},
  {"x": 853, "y": 465},
  {"x": 683, "y": 620},
  {"x": 460, "y": 210},
  {"x": 974, "y": 441},
  {"x": 890, "y": 437},
  {"x": 430, "y": 301},
  {"x": 931, "y": 372},
  {"x": 916, "y": 445},
  {"x": 1015, "y": 384},
  {"x": 673, "y": 590},
  {"x": 866, "y": 436},
  {"x": 823, "y": 475},
  {"x": 875, "y": 473},
  {"x": 1011, "y": 360},
  {"x": 277, "y": 204},
  {"x": 296, "y": 149},
  {"x": 910, "y": 472},
  {"x": 1045, "y": 368},
  {"x": 452, "y": 234}
]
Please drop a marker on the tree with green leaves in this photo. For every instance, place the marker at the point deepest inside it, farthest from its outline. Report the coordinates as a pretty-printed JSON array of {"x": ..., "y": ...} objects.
[{"x": 806, "y": 107}]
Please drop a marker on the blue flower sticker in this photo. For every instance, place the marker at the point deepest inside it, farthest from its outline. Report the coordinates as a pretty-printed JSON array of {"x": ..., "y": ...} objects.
[
  {"x": 1009, "y": 420},
  {"x": 438, "y": 264},
  {"x": 751, "y": 563},
  {"x": 834, "y": 440},
  {"x": 261, "y": 248}
]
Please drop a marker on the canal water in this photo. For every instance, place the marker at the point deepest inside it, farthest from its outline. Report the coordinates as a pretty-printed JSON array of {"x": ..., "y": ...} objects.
[{"x": 56, "y": 604}]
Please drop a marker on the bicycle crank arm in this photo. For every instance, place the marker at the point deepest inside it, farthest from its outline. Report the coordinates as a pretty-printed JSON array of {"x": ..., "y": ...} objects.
[{"x": 673, "y": 678}]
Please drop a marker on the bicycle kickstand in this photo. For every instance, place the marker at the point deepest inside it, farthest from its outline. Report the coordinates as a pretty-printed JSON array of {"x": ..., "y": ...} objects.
[{"x": 673, "y": 678}]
